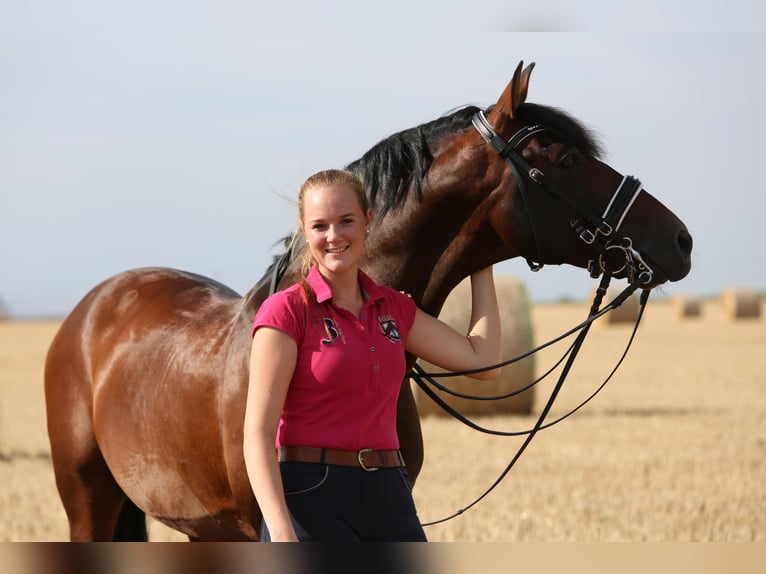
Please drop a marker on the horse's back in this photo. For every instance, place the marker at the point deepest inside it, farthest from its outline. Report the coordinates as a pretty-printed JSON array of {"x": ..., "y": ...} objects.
[
  {"x": 128, "y": 308},
  {"x": 135, "y": 383}
]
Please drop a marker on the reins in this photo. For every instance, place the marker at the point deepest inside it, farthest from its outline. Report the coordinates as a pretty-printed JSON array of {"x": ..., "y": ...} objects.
[
  {"x": 422, "y": 379},
  {"x": 427, "y": 381}
]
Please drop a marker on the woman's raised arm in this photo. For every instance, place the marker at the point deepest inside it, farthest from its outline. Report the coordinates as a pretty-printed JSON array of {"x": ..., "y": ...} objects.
[{"x": 439, "y": 344}]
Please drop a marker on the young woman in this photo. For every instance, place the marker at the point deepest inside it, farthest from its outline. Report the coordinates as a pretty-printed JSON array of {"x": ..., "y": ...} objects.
[{"x": 327, "y": 363}]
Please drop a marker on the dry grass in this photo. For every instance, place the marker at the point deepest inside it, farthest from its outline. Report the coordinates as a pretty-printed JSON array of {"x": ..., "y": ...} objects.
[{"x": 673, "y": 449}]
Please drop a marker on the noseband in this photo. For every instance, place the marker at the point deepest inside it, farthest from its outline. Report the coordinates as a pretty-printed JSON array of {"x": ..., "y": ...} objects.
[{"x": 600, "y": 232}]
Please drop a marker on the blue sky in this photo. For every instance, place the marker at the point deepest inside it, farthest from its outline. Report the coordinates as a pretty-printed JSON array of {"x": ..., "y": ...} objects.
[{"x": 176, "y": 133}]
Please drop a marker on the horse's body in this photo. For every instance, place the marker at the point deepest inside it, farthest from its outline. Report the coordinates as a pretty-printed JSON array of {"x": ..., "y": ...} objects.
[{"x": 146, "y": 380}]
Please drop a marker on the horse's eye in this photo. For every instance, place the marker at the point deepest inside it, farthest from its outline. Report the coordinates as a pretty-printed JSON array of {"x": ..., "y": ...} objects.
[{"x": 568, "y": 161}]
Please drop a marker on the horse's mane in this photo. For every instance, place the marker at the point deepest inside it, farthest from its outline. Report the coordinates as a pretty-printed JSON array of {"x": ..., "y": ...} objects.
[{"x": 396, "y": 166}]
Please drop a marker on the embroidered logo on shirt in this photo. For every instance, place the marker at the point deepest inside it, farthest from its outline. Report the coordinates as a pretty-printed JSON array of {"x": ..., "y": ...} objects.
[
  {"x": 389, "y": 329},
  {"x": 331, "y": 330}
]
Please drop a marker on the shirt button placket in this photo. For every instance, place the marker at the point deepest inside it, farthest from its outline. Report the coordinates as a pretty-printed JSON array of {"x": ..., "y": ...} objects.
[{"x": 375, "y": 367}]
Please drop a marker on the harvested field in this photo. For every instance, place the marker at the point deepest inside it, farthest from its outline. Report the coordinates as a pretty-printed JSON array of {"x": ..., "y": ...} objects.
[{"x": 673, "y": 449}]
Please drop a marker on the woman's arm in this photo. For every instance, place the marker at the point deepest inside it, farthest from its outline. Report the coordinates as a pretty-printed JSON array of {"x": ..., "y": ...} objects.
[
  {"x": 439, "y": 344},
  {"x": 272, "y": 364}
]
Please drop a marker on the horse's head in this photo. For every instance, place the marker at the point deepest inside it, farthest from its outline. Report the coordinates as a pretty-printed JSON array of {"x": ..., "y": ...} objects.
[{"x": 553, "y": 201}]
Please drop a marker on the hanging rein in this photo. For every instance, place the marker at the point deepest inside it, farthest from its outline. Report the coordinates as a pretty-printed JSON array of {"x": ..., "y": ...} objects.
[{"x": 599, "y": 232}]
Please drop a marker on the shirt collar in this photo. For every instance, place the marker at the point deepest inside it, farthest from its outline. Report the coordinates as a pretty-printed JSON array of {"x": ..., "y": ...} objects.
[{"x": 324, "y": 293}]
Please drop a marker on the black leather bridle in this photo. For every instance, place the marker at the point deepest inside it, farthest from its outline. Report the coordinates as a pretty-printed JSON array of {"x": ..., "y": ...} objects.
[{"x": 598, "y": 231}]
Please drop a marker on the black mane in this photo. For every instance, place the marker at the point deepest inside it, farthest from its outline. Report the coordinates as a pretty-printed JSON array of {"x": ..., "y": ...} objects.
[{"x": 396, "y": 166}]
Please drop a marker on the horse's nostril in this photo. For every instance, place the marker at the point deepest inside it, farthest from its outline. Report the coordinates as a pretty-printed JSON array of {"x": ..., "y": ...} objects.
[{"x": 685, "y": 242}]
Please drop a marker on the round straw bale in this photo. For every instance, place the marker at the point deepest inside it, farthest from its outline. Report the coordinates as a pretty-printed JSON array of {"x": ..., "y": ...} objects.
[
  {"x": 738, "y": 303},
  {"x": 516, "y": 329},
  {"x": 686, "y": 306},
  {"x": 625, "y": 313}
]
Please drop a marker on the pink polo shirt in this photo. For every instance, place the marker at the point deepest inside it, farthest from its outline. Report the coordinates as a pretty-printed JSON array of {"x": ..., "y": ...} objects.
[{"x": 345, "y": 387}]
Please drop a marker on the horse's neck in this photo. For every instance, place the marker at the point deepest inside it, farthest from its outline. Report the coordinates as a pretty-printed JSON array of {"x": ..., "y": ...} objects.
[
  {"x": 430, "y": 260},
  {"x": 430, "y": 246}
]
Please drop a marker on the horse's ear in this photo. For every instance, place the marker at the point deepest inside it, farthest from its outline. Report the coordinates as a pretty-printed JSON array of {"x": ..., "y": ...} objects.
[{"x": 515, "y": 93}]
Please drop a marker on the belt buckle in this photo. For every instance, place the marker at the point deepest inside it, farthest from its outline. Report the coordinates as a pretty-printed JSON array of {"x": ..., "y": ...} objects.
[{"x": 361, "y": 462}]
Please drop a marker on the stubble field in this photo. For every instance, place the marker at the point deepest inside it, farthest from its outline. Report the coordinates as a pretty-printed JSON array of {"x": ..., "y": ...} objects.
[{"x": 673, "y": 449}]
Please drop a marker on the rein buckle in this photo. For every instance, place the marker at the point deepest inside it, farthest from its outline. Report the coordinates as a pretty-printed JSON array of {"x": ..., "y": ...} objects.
[{"x": 587, "y": 236}]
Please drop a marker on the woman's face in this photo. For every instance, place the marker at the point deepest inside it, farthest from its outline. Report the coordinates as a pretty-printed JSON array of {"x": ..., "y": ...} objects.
[{"x": 335, "y": 228}]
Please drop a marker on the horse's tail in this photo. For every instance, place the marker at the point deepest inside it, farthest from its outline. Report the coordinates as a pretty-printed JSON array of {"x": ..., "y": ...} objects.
[{"x": 131, "y": 524}]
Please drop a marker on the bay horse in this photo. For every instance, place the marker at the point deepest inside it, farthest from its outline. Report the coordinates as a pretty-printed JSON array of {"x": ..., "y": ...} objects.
[{"x": 145, "y": 381}]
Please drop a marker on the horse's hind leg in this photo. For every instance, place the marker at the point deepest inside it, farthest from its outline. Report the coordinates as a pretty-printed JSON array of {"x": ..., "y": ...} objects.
[{"x": 92, "y": 498}]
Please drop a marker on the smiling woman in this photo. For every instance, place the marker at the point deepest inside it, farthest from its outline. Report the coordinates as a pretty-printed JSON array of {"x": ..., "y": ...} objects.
[{"x": 326, "y": 367}]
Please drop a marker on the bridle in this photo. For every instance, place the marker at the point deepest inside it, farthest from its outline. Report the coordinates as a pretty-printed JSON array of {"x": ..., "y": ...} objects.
[{"x": 600, "y": 232}]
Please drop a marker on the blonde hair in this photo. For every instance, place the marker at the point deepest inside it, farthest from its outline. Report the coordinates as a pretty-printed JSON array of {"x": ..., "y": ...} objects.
[{"x": 325, "y": 178}]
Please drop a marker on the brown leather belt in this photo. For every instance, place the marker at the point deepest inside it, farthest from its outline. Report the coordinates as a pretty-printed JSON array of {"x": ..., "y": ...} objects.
[{"x": 365, "y": 458}]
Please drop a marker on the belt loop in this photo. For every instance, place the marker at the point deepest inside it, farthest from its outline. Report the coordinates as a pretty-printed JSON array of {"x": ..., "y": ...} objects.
[{"x": 322, "y": 455}]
